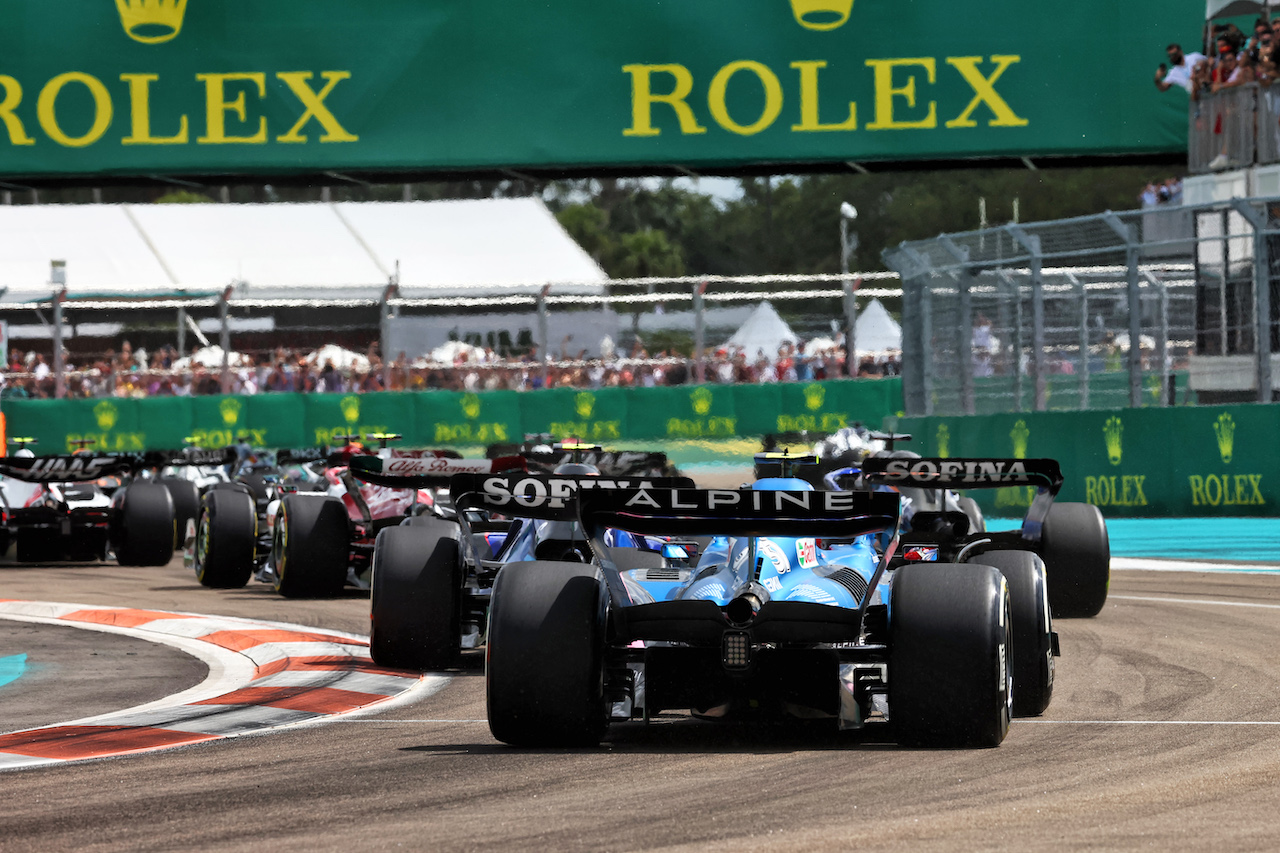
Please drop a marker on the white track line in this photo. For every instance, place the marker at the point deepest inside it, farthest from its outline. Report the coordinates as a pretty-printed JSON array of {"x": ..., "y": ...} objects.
[
  {"x": 1208, "y": 601},
  {"x": 1154, "y": 565},
  {"x": 1022, "y": 721}
]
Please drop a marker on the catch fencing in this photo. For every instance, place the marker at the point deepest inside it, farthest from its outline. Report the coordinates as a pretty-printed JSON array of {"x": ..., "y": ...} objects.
[{"x": 1151, "y": 307}]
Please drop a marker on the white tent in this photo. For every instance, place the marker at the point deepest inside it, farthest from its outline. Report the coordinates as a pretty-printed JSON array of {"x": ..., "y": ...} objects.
[
  {"x": 342, "y": 359},
  {"x": 875, "y": 331},
  {"x": 341, "y": 250},
  {"x": 210, "y": 357},
  {"x": 762, "y": 332},
  {"x": 448, "y": 353},
  {"x": 1234, "y": 8}
]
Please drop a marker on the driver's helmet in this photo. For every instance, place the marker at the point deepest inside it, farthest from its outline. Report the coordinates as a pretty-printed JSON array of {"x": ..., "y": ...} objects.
[
  {"x": 24, "y": 453},
  {"x": 353, "y": 448},
  {"x": 577, "y": 469}
]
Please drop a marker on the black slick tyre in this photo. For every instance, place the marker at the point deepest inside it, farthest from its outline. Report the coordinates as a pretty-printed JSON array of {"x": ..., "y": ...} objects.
[
  {"x": 1077, "y": 559},
  {"x": 415, "y": 596},
  {"x": 145, "y": 526},
  {"x": 950, "y": 668},
  {"x": 312, "y": 547},
  {"x": 544, "y": 672},
  {"x": 186, "y": 504},
  {"x": 226, "y": 539},
  {"x": 1032, "y": 629}
]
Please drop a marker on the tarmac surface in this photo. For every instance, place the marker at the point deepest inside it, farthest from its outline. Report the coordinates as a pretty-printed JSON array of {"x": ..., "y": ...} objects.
[{"x": 1164, "y": 731}]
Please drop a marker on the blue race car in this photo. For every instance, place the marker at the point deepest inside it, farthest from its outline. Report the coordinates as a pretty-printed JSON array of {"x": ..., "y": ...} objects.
[{"x": 792, "y": 610}]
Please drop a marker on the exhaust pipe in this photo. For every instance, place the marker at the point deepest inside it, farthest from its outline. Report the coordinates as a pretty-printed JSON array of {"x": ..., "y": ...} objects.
[{"x": 746, "y": 603}]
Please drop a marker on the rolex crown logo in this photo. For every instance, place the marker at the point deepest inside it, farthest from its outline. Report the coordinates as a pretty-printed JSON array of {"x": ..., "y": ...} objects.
[
  {"x": 350, "y": 409},
  {"x": 701, "y": 401},
  {"x": 1020, "y": 434},
  {"x": 471, "y": 405},
  {"x": 151, "y": 21},
  {"x": 230, "y": 409},
  {"x": 584, "y": 403},
  {"x": 106, "y": 413},
  {"x": 1113, "y": 431},
  {"x": 1225, "y": 429},
  {"x": 813, "y": 396},
  {"x": 821, "y": 15},
  {"x": 944, "y": 441}
]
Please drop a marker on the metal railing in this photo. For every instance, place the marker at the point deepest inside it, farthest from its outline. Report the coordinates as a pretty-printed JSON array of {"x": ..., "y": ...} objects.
[
  {"x": 1234, "y": 128},
  {"x": 1046, "y": 315}
]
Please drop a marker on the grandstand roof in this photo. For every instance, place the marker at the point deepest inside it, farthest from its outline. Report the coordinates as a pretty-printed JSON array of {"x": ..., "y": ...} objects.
[{"x": 282, "y": 250}]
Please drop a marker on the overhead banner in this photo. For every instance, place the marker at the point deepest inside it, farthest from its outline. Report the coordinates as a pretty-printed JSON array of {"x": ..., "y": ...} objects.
[{"x": 208, "y": 87}]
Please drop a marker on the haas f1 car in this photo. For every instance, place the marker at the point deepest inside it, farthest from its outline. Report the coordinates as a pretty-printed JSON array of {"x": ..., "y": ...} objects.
[{"x": 82, "y": 506}]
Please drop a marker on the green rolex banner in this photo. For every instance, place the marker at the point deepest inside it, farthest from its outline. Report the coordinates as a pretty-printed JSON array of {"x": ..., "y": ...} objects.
[
  {"x": 1185, "y": 461},
  {"x": 214, "y": 87}
]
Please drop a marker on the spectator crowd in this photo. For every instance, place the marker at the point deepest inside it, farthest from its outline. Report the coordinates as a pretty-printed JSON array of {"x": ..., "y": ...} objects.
[{"x": 136, "y": 373}]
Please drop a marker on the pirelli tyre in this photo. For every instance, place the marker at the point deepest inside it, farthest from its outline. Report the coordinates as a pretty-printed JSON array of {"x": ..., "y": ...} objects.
[
  {"x": 312, "y": 546},
  {"x": 1032, "y": 628},
  {"x": 226, "y": 539},
  {"x": 544, "y": 673},
  {"x": 950, "y": 667},
  {"x": 186, "y": 504},
  {"x": 1077, "y": 559},
  {"x": 415, "y": 597},
  {"x": 145, "y": 525}
]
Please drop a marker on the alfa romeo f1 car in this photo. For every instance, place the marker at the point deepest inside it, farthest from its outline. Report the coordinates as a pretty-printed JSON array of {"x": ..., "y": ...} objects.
[{"x": 793, "y": 610}]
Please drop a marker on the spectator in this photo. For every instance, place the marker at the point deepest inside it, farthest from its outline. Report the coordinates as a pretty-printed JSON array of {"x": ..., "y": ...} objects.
[{"x": 1178, "y": 71}]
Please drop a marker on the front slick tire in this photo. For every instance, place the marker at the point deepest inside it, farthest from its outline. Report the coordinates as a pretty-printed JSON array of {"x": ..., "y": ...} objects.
[
  {"x": 226, "y": 539},
  {"x": 416, "y": 588},
  {"x": 1077, "y": 559},
  {"x": 544, "y": 673},
  {"x": 146, "y": 530},
  {"x": 1032, "y": 629},
  {"x": 950, "y": 667},
  {"x": 312, "y": 547}
]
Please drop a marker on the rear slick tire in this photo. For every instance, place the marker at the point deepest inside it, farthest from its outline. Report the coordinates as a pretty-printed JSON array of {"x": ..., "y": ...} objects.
[
  {"x": 544, "y": 673},
  {"x": 312, "y": 548},
  {"x": 950, "y": 667},
  {"x": 1077, "y": 559},
  {"x": 226, "y": 539},
  {"x": 146, "y": 526},
  {"x": 1032, "y": 629},
  {"x": 415, "y": 597}
]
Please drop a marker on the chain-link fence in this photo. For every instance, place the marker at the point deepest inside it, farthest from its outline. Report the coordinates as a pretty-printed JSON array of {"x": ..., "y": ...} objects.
[{"x": 1129, "y": 309}]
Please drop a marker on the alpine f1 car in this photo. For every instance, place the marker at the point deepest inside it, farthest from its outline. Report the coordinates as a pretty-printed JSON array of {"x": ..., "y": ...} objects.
[
  {"x": 82, "y": 506},
  {"x": 432, "y": 578},
  {"x": 794, "y": 610}
]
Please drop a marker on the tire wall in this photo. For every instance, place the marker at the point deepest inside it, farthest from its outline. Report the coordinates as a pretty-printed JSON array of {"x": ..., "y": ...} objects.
[
  {"x": 432, "y": 418},
  {"x": 1187, "y": 461}
]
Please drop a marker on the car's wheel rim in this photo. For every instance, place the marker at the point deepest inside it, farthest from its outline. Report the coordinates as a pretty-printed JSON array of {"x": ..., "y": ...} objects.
[{"x": 202, "y": 545}]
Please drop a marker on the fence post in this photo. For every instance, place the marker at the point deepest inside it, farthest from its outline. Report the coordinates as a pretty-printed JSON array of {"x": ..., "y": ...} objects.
[
  {"x": 224, "y": 338},
  {"x": 917, "y": 338},
  {"x": 1031, "y": 243},
  {"x": 1126, "y": 233},
  {"x": 385, "y": 313},
  {"x": 182, "y": 332},
  {"x": 964, "y": 325},
  {"x": 1261, "y": 295},
  {"x": 699, "y": 337},
  {"x": 1084, "y": 339},
  {"x": 542, "y": 334},
  {"x": 59, "y": 363}
]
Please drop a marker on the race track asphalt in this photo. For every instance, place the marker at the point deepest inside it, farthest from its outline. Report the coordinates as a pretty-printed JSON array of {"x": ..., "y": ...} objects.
[{"x": 1164, "y": 733}]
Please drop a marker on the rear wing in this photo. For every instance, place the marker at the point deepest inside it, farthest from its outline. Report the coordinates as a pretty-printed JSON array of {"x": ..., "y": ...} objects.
[
  {"x": 739, "y": 512},
  {"x": 542, "y": 496},
  {"x": 927, "y": 473},
  {"x": 610, "y": 463},
  {"x": 425, "y": 472},
  {"x": 302, "y": 455},
  {"x": 189, "y": 456},
  {"x": 68, "y": 468}
]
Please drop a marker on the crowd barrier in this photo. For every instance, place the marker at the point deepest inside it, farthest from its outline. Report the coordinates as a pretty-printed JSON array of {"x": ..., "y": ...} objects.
[
  {"x": 1185, "y": 461},
  {"x": 443, "y": 418}
]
